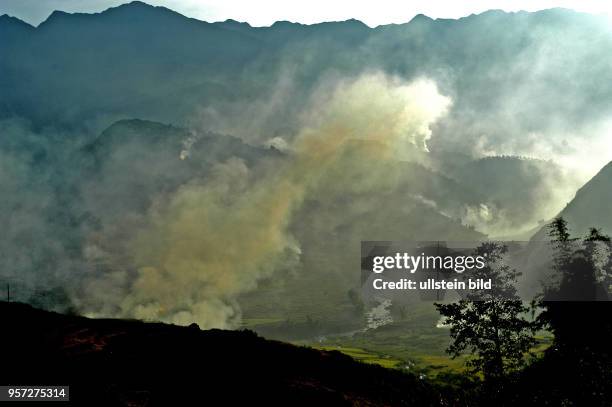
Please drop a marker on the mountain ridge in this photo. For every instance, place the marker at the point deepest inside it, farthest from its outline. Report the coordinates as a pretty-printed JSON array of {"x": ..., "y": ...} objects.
[
  {"x": 591, "y": 204},
  {"x": 127, "y": 362},
  {"x": 109, "y": 64},
  {"x": 139, "y": 6}
]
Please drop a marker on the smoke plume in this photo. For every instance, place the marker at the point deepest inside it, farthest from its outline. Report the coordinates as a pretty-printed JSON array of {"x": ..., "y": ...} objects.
[{"x": 214, "y": 239}]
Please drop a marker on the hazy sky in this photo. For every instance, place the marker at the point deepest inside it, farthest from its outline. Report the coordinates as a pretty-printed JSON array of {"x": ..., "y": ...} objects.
[{"x": 265, "y": 12}]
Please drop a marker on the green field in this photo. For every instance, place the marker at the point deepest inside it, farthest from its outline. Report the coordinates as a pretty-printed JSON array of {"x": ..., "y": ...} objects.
[
  {"x": 412, "y": 342},
  {"x": 365, "y": 356}
]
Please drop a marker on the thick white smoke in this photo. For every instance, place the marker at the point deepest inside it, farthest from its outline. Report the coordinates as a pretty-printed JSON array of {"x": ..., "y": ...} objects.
[{"x": 214, "y": 239}]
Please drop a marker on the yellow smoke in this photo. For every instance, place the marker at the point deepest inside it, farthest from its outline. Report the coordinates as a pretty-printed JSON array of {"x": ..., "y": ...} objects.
[{"x": 214, "y": 240}]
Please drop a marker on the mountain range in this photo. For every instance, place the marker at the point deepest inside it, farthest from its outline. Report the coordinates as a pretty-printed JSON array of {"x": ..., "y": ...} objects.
[
  {"x": 110, "y": 121},
  {"x": 140, "y": 61}
]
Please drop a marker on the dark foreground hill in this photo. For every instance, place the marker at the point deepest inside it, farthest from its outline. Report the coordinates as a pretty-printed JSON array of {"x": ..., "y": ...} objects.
[{"x": 121, "y": 362}]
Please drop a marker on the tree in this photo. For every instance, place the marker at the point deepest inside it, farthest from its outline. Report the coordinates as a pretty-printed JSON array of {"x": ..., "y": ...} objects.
[
  {"x": 580, "y": 266},
  {"x": 491, "y": 324},
  {"x": 580, "y": 321},
  {"x": 582, "y": 270}
]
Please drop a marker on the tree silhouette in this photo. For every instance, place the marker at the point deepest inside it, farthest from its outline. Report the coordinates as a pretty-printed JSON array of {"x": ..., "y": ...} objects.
[
  {"x": 490, "y": 323},
  {"x": 580, "y": 322}
]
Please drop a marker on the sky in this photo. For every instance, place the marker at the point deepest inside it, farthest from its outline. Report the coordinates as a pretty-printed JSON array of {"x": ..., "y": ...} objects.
[{"x": 266, "y": 12}]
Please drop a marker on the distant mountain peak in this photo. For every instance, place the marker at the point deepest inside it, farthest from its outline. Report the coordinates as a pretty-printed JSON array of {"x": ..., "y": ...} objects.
[
  {"x": 6, "y": 19},
  {"x": 59, "y": 17},
  {"x": 421, "y": 17},
  {"x": 232, "y": 21},
  {"x": 285, "y": 23},
  {"x": 132, "y": 8},
  {"x": 355, "y": 21},
  {"x": 137, "y": 3},
  {"x": 139, "y": 7},
  {"x": 55, "y": 15},
  {"x": 234, "y": 24}
]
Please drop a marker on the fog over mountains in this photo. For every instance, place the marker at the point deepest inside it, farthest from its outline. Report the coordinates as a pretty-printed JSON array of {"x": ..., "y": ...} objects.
[
  {"x": 157, "y": 166},
  {"x": 519, "y": 69}
]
